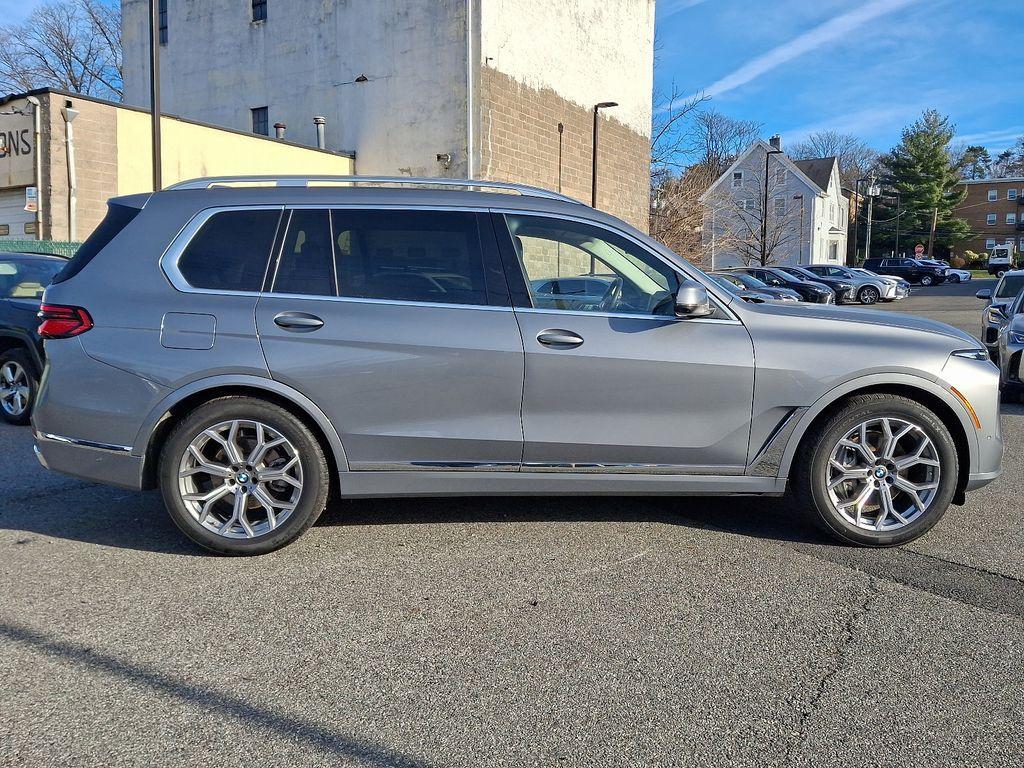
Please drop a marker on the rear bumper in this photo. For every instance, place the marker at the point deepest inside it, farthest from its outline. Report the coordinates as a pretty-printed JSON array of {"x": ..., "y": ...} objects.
[{"x": 96, "y": 462}]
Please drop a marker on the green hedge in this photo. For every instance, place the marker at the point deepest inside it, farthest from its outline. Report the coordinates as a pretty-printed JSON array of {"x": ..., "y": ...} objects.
[{"x": 56, "y": 247}]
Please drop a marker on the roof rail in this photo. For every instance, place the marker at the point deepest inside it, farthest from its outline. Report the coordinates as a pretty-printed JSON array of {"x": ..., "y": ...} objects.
[{"x": 311, "y": 181}]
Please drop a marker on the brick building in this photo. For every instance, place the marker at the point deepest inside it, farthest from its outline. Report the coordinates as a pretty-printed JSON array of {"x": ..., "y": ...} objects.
[
  {"x": 994, "y": 208},
  {"x": 492, "y": 89}
]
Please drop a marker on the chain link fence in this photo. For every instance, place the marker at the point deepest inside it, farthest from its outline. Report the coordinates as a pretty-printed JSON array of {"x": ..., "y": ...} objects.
[{"x": 56, "y": 247}]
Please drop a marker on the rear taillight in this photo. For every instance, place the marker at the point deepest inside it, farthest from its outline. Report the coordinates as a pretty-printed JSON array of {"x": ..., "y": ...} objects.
[{"x": 62, "y": 322}]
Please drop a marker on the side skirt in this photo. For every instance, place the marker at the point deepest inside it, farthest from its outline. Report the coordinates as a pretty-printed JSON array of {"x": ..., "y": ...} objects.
[{"x": 369, "y": 484}]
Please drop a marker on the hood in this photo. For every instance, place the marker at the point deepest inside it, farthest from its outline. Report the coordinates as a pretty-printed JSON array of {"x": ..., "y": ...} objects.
[{"x": 876, "y": 317}]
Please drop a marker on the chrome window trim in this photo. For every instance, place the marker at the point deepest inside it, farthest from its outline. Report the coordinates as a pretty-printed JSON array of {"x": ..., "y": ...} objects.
[
  {"x": 712, "y": 289},
  {"x": 393, "y": 302},
  {"x": 172, "y": 255},
  {"x": 631, "y": 316}
]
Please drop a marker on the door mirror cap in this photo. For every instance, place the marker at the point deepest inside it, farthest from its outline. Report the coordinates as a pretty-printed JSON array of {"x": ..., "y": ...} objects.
[
  {"x": 692, "y": 300},
  {"x": 985, "y": 294}
]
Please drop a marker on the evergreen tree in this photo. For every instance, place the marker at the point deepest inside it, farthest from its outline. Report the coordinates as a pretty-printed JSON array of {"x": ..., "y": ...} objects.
[
  {"x": 976, "y": 163},
  {"x": 922, "y": 169}
]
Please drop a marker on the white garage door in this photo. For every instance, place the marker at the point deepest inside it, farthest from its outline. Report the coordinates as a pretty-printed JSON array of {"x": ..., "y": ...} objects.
[{"x": 13, "y": 216}]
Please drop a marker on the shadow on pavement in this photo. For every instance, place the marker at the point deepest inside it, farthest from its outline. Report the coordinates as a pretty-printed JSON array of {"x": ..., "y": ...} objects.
[{"x": 281, "y": 724}]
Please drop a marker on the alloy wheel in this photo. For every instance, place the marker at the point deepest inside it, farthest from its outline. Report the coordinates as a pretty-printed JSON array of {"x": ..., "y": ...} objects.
[
  {"x": 240, "y": 479},
  {"x": 883, "y": 474},
  {"x": 868, "y": 295},
  {"x": 926, "y": 280},
  {"x": 14, "y": 388}
]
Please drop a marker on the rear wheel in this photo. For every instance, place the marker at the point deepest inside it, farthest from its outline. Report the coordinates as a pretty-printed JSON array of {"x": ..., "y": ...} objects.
[
  {"x": 241, "y": 476},
  {"x": 954, "y": 278},
  {"x": 927, "y": 280},
  {"x": 19, "y": 381},
  {"x": 880, "y": 472},
  {"x": 868, "y": 295}
]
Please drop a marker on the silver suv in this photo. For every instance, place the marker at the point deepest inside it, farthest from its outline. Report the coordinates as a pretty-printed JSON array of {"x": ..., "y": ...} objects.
[{"x": 253, "y": 346}]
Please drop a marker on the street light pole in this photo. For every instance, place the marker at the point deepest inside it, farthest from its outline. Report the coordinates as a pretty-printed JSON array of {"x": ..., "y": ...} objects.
[
  {"x": 898, "y": 214},
  {"x": 856, "y": 218},
  {"x": 764, "y": 207},
  {"x": 593, "y": 159},
  {"x": 154, "y": 88},
  {"x": 800, "y": 245}
]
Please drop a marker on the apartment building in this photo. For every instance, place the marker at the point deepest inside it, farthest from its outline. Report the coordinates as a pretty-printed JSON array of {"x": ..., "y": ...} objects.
[
  {"x": 995, "y": 210},
  {"x": 499, "y": 90}
]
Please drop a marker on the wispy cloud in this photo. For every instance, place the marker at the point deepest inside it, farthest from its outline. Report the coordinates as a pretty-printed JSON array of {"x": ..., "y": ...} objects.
[
  {"x": 858, "y": 123},
  {"x": 806, "y": 42},
  {"x": 665, "y": 10},
  {"x": 998, "y": 139}
]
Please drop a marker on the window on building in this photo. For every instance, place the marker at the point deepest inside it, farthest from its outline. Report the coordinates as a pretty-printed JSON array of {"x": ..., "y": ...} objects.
[
  {"x": 162, "y": 17},
  {"x": 259, "y": 10},
  {"x": 748, "y": 204},
  {"x": 993, "y": 195},
  {"x": 230, "y": 251},
  {"x": 737, "y": 179},
  {"x": 990, "y": 219},
  {"x": 1011, "y": 218},
  {"x": 261, "y": 121},
  {"x": 780, "y": 176},
  {"x": 306, "y": 265},
  {"x": 990, "y": 244},
  {"x": 1011, "y": 194},
  {"x": 424, "y": 256},
  {"x": 780, "y": 206},
  {"x": 580, "y": 268}
]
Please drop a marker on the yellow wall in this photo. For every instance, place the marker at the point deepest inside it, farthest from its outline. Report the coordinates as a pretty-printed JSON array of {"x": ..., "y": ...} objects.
[{"x": 190, "y": 151}]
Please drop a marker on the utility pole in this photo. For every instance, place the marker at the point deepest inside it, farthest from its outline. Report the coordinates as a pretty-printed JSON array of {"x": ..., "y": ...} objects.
[
  {"x": 931, "y": 234},
  {"x": 872, "y": 191},
  {"x": 896, "y": 253},
  {"x": 154, "y": 88}
]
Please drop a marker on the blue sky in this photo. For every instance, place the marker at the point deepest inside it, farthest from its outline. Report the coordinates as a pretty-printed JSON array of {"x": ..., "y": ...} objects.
[{"x": 867, "y": 67}]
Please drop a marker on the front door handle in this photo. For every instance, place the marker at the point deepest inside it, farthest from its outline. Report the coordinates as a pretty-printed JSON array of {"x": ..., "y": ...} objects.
[
  {"x": 299, "y": 322},
  {"x": 559, "y": 339}
]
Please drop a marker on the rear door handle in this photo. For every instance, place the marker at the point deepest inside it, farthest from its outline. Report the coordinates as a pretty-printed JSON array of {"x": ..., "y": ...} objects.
[
  {"x": 559, "y": 339},
  {"x": 299, "y": 322}
]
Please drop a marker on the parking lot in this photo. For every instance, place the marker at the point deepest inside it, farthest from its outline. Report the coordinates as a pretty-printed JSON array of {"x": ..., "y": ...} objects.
[{"x": 511, "y": 632}]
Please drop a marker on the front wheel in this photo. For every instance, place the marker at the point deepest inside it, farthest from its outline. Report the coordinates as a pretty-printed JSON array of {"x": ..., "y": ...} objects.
[
  {"x": 880, "y": 472},
  {"x": 868, "y": 295},
  {"x": 241, "y": 476}
]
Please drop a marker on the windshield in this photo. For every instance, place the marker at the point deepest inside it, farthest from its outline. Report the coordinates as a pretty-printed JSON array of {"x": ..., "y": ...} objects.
[
  {"x": 748, "y": 281},
  {"x": 798, "y": 273},
  {"x": 1010, "y": 286},
  {"x": 725, "y": 282}
]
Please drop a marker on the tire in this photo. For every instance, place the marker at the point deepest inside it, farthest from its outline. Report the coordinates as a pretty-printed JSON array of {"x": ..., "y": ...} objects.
[
  {"x": 927, "y": 280},
  {"x": 954, "y": 278},
  {"x": 19, "y": 382},
  {"x": 295, "y": 496},
  {"x": 812, "y": 468},
  {"x": 868, "y": 295}
]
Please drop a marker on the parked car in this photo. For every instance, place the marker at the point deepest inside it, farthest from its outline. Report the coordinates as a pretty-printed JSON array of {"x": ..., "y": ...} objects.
[
  {"x": 903, "y": 288},
  {"x": 280, "y": 343},
  {"x": 911, "y": 270},
  {"x": 843, "y": 289},
  {"x": 748, "y": 283},
  {"x": 952, "y": 275},
  {"x": 23, "y": 276},
  {"x": 867, "y": 288},
  {"x": 810, "y": 291},
  {"x": 1010, "y": 344},
  {"x": 737, "y": 290},
  {"x": 996, "y": 313},
  {"x": 1003, "y": 259}
]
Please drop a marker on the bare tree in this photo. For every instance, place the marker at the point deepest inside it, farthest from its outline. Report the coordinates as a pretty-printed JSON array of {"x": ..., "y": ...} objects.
[
  {"x": 716, "y": 140},
  {"x": 670, "y": 130},
  {"x": 741, "y": 219},
  {"x": 73, "y": 45},
  {"x": 856, "y": 158}
]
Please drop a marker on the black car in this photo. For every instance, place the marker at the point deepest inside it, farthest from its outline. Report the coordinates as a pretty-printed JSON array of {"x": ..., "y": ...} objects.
[
  {"x": 813, "y": 291},
  {"x": 911, "y": 270},
  {"x": 23, "y": 277},
  {"x": 843, "y": 289}
]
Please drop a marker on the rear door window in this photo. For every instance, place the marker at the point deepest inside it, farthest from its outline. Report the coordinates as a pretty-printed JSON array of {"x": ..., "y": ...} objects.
[
  {"x": 26, "y": 279},
  {"x": 306, "y": 265},
  {"x": 421, "y": 256},
  {"x": 230, "y": 251}
]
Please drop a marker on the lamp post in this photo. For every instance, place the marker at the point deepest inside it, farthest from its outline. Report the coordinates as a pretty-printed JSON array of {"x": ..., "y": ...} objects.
[
  {"x": 154, "y": 88},
  {"x": 593, "y": 171},
  {"x": 873, "y": 192},
  {"x": 764, "y": 208},
  {"x": 800, "y": 245}
]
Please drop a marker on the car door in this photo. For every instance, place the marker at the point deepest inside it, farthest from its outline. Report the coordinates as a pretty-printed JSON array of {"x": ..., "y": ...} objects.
[
  {"x": 397, "y": 324},
  {"x": 615, "y": 382}
]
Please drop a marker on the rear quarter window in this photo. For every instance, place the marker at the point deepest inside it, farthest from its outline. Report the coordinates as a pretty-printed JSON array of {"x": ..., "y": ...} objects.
[
  {"x": 231, "y": 250},
  {"x": 118, "y": 217}
]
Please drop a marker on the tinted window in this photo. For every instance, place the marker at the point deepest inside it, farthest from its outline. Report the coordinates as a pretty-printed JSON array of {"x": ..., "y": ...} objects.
[
  {"x": 118, "y": 217},
  {"x": 26, "y": 279},
  {"x": 230, "y": 251},
  {"x": 1009, "y": 286},
  {"x": 432, "y": 256},
  {"x": 579, "y": 267},
  {"x": 306, "y": 264}
]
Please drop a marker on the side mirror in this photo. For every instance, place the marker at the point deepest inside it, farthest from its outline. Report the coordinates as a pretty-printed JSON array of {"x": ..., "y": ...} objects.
[
  {"x": 692, "y": 300},
  {"x": 985, "y": 294}
]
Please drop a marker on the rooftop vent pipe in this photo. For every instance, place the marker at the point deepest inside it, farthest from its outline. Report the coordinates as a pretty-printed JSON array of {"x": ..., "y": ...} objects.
[
  {"x": 279, "y": 130},
  {"x": 321, "y": 140}
]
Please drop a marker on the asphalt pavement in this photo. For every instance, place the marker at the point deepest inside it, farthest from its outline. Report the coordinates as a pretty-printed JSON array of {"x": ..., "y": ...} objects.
[{"x": 511, "y": 632}]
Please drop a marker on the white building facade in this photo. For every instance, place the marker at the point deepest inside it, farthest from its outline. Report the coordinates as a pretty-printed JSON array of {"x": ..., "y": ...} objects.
[
  {"x": 807, "y": 213},
  {"x": 456, "y": 88}
]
